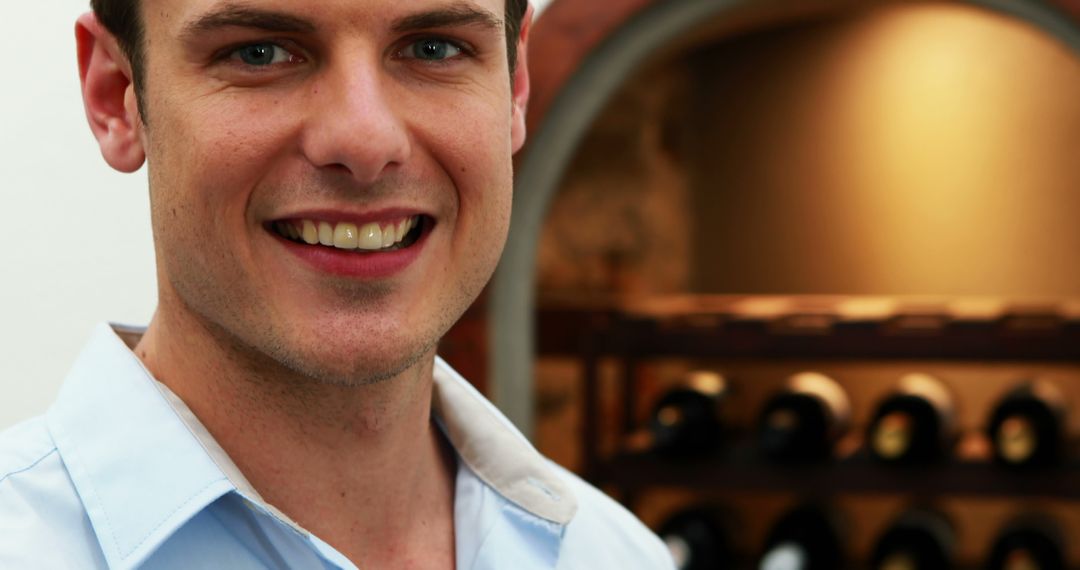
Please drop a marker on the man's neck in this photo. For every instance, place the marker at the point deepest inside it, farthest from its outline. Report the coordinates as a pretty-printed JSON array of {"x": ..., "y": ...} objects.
[{"x": 362, "y": 467}]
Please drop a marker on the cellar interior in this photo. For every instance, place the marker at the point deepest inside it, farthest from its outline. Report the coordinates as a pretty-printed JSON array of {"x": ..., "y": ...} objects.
[{"x": 863, "y": 192}]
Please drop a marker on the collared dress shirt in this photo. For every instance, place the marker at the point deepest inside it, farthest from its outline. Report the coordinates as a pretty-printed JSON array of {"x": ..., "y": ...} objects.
[{"x": 119, "y": 473}]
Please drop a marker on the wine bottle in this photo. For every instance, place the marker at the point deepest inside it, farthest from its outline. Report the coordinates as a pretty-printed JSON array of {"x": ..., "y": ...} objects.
[
  {"x": 805, "y": 419},
  {"x": 805, "y": 538},
  {"x": 918, "y": 539},
  {"x": 698, "y": 539},
  {"x": 1028, "y": 542},
  {"x": 914, "y": 424},
  {"x": 687, "y": 419},
  {"x": 1026, "y": 425}
]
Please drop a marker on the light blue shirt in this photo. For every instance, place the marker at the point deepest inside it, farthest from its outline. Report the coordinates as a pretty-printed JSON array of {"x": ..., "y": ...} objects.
[{"x": 120, "y": 474}]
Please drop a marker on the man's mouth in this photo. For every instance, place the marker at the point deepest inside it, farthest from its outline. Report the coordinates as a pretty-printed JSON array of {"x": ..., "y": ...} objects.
[{"x": 387, "y": 235}]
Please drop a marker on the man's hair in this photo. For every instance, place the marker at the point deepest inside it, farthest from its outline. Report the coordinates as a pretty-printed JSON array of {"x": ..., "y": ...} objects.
[{"x": 122, "y": 19}]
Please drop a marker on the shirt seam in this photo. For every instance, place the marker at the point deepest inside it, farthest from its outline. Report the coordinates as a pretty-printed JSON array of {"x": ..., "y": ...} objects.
[
  {"x": 33, "y": 464},
  {"x": 108, "y": 521},
  {"x": 168, "y": 516},
  {"x": 93, "y": 489},
  {"x": 267, "y": 544}
]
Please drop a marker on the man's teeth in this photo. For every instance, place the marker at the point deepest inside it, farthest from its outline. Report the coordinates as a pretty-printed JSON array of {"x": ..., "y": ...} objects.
[{"x": 345, "y": 235}]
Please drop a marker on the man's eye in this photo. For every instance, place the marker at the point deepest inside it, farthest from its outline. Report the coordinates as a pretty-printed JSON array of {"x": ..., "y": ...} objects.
[
  {"x": 261, "y": 55},
  {"x": 431, "y": 49}
]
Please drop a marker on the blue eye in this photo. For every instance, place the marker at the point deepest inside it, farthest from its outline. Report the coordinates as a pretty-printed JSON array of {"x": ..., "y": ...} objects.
[
  {"x": 261, "y": 55},
  {"x": 432, "y": 49}
]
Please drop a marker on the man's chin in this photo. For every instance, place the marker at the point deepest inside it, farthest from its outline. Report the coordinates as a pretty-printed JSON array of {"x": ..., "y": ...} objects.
[{"x": 357, "y": 369}]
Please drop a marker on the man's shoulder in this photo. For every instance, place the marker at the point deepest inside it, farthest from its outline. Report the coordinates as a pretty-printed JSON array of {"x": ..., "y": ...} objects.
[
  {"x": 603, "y": 534},
  {"x": 44, "y": 522}
]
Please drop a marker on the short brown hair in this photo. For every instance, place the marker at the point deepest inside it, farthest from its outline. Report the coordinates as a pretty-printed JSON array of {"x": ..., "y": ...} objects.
[{"x": 122, "y": 19}]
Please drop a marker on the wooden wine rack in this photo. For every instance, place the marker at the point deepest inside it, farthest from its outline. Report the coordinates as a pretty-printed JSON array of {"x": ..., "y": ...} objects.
[{"x": 740, "y": 331}]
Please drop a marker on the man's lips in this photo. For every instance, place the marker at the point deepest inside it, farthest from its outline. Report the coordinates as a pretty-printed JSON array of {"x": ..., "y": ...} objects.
[
  {"x": 352, "y": 249},
  {"x": 383, "y": 235}
]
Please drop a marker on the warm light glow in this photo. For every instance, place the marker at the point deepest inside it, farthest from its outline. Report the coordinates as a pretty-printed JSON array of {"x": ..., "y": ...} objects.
[
  {"x": 918, "y": 149},
  {"x": 956, "y": 168}
]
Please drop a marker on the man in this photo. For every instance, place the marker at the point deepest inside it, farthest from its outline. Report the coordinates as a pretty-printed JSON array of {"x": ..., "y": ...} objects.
[{"x": 330, "y": 186}]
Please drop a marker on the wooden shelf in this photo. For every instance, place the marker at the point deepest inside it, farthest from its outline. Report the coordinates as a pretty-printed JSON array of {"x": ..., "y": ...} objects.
[
  {"x": 741, "y": 469},
  {"x": 717, "y": 328}
]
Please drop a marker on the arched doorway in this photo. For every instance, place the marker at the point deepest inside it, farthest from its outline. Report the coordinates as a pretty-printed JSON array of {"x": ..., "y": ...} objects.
[{"x": 581, "y": 55}]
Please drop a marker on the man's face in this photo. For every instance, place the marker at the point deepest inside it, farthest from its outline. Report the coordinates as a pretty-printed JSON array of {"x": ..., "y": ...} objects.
[{"x": 352, "y": 121}]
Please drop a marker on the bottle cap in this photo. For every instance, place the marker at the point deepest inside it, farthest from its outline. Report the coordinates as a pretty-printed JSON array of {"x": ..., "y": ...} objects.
[
  {"x": 784, "y": 556},
  {"x": 1016, "y": 439},
  {"x": 892, "y": 435}
]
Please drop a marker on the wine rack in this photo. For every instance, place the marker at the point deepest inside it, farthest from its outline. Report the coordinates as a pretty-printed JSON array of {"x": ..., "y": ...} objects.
[{"x": 979, "y": 347}]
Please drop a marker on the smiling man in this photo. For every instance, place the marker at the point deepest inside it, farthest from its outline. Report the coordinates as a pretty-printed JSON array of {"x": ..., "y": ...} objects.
[{"x": 330, "y": 185}]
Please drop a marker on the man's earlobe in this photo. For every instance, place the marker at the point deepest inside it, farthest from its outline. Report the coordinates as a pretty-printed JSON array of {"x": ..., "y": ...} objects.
[
  {"x": 109, "y": 96},
  {"x": 520, "y": 93}
]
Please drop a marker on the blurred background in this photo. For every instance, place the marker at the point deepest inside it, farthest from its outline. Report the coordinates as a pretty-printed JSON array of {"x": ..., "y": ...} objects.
[{"x": 796, "y": 281}]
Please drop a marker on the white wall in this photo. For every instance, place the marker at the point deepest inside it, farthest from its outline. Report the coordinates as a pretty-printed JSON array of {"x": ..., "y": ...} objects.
[{"x": 78, "y": 248}]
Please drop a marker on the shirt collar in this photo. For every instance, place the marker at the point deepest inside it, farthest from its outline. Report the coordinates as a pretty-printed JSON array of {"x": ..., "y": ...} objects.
[
  {"x": 140, "y": 484},
  {"x": 139, "y": 471},
  {"x": 496, "y": 452}
]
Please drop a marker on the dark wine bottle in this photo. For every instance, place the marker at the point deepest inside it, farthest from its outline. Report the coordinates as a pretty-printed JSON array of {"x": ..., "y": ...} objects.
[
  {"x": 698, "y": 539},
  {"x": 914, "y": 424},
  {"x": 1026, "y": 426},
  {"x": 1028, "y": 542},
  {"x": 805, "y": 538},
  {"x": 687, "y": 419},
  {"x": 805, "y": 419},
  {"x": 919, "y": 539}
]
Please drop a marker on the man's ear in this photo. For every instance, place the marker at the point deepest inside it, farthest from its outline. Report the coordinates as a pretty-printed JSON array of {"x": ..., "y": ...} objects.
[
  {"x": 520, "y": 94},
  {"x": 109, "y": 95}
]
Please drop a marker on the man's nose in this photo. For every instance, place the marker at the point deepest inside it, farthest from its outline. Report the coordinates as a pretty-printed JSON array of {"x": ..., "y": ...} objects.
[{"x": 354, "y": 125}]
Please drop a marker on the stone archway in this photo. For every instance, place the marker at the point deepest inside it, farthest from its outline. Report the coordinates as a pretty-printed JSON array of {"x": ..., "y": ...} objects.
[{"x": 581, "y": 54}]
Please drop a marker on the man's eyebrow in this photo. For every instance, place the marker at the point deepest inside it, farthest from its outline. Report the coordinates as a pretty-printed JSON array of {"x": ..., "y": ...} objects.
[
  {"x": 453, "y": 16},
  {"x": 241, "y": 16}
]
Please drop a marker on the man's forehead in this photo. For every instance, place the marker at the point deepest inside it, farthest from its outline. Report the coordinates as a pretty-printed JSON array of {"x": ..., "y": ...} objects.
[{"x": 181, "y": 14}]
